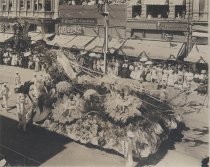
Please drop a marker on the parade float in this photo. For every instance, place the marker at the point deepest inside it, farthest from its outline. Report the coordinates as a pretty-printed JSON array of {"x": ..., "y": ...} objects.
[{"x": 99, "y": 111}]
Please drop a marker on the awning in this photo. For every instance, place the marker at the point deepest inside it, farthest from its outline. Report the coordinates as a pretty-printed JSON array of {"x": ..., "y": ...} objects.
[
  {"x": 200, "y": 28},
  {"x": 79, "y": 42},
  {"x": 200, "y": 34},
  {"x": 4, "y": 37},
  {"x": 177, "y": 2},
  {"x": 38, "y": 36},
  {"x": 97, "y": 45},
  {"x": 154, "y": 49},
  {"x": 35, "y": 36},
  {"x": 61, "y": 40},
  {"x": 155, "y": 2},
  {"x": 198, "y": 54}
]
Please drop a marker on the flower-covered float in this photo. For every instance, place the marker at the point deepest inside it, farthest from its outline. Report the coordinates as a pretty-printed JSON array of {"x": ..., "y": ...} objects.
[{"x": 101, "y": 111}]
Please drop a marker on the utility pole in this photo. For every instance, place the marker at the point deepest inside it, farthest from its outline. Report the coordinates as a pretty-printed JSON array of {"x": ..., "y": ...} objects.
[
  {"x": 189, "y": 29},
  {"x": 105, "y": 14}
]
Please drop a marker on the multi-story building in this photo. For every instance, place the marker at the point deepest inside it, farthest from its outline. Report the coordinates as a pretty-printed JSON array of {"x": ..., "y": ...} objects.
[
  {"x": 36, "y": 15},
  {"x": 164, "y": 19},
  {"x": 82, "y": 26}
]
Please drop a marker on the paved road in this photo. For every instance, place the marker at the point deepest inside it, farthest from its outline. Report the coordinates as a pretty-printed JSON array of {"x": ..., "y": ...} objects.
[{"x": 41, "y": 147}]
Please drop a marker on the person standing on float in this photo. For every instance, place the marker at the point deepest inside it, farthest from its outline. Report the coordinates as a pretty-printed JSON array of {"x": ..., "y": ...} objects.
[
  {"x": 37, "y": 64},
  {"x": 21, "y": 111},
  {"x": 129, "y": 154}
]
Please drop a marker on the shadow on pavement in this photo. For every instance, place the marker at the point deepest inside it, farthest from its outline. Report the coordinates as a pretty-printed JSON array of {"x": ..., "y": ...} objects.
[
  {"x": 37, "y": 144},
  {"x": 174, "y": 137},
  {"x": 203, "y": 131}
]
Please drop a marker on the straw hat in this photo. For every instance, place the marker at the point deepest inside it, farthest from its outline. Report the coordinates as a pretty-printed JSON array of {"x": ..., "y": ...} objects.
[
  {"x": 148, "y": 62},
  {"x": 143, "y": 59}
]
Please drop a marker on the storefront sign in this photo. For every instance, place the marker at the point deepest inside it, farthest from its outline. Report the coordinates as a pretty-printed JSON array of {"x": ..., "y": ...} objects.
[
  {"x": 173, "y": 26},
  {"x": 71, "y": 30},
  {"x": 80, "y": 21},
  {"x": 142, "y": 25},
  {"x": 48, "y": 21}
]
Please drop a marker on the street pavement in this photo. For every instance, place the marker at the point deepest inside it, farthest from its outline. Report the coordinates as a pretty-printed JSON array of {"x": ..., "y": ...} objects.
[{"x": 40, "y": 147}]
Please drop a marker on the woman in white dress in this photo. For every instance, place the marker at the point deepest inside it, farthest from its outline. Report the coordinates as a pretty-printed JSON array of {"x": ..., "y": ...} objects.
[
  {"x": 165, "y": 77},
  {"x": 37, "y": 64},
  {"x": 154, "y": 74},
  {"x": 170, "y": 77}
]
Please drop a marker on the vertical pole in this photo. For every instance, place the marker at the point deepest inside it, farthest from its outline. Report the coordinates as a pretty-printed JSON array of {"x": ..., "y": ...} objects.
[
  {"x": 106, "y": 38},
  {"x": 188, "y": 29}
]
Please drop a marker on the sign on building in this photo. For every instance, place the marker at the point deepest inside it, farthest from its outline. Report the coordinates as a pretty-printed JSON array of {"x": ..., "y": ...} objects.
[
  {"x": 79, "y": 21},
  {"x": 71, "y": 30},
  {"x": 172, "y": 26}
]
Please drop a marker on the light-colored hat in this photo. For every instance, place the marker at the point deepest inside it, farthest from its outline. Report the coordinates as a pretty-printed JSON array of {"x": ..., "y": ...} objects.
[
  {"x": 17, "y": 72},
  {"x": 83, "y": 52},
  {"x": 130, "y": 134},
  {"x": 203, "y": 71},
  {"x": 4, "y": 84}
]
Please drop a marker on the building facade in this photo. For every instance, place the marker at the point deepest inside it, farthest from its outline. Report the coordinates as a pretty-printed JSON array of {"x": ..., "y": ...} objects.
[
  {"x": 165, "y": 19},
  {"x": 36, "y": 15},
  {"x": 83, "y": 25}
]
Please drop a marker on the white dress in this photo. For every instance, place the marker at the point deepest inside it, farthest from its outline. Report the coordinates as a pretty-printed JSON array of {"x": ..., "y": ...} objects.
[{"x": 170, "y": 78}]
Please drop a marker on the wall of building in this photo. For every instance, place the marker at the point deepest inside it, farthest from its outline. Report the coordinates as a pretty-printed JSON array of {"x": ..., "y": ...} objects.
[
  {"x": 177, "y": 27},
  {"x": 27, "y": 9},
  {"x": 92, "y": 22}
]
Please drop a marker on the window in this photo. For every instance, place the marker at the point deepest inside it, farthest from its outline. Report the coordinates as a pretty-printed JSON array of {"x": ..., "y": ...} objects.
[
  {"x": 28, "y": 4},
  {"x": 21, "y": 4},
  {"x": 180, "y": 11},
  {"x": 35, "y": 5},
  {"x": 47, "y": 5},
  {"x": 32, "y": 27},
  {"x": 40, "y": 6},
  {"x": 157, "y": 11},
  {"x": 10, "y": 5},
  {"x": 136, "y": 11},
  {"x": 4, "y": 5}
]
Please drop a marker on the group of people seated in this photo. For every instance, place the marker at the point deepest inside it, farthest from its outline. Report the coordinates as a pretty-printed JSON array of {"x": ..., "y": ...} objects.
[{"x": 26, "y": 59}]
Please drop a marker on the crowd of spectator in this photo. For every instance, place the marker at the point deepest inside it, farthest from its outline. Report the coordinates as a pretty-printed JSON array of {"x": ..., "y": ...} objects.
[
  {"x": 179, "y": 76},
  {"x": 26, "y": 59}
]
